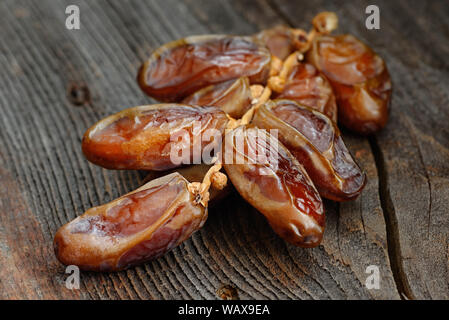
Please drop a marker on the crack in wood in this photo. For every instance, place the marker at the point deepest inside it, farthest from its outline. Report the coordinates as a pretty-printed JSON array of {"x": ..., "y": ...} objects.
[{"x": 394, "y": 248}]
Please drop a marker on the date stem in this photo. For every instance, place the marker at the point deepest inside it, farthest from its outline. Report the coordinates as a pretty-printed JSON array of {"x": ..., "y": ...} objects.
[
  {"x": 214, "y": 177},
  {"x": 277, "y": 83},
  {"x": 323, "y": 23}
]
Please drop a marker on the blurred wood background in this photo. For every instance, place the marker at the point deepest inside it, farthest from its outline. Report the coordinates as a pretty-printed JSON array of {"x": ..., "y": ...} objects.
[{"x": 400, "y": 223}]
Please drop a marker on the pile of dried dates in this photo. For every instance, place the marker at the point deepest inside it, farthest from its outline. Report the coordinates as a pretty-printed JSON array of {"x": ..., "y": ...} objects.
[{"x": 298, "y": 84}]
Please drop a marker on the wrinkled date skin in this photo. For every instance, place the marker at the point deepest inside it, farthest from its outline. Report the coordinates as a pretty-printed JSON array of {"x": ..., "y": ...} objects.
[
  {"x": 195, "y": 173},
  {"x": 283, "y": 193},
  {"x": 309, "y": 87},
  {"x": 316, "y": 143},
  {"x": 279, "y": 40},
  {"x": 130, "y": 230},
  {"x": 360, "y": 80},
  {"x": 141, "y": 138},
  {"x": 181, "y": 68},
  {"x": 233, "y": 97}
]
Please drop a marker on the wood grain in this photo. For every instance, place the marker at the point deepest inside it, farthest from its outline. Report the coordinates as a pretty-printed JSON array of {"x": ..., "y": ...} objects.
[{"x": 402, "y": 216}]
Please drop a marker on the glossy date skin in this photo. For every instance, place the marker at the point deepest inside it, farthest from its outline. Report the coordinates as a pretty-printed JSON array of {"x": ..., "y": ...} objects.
[
  {"x": 195, "y": 173},
  {"x": 279, "y": 40},
  {"x": 140, "y": 138},
  {"x": 182, "y": 67},
  {"x": 309, "y": 87},
  {"x": 233, "y": 97},
  {"x": 316, "y": 143},
  {"x": 360, "y": 80},
  {"x": 132, "y": 229},
  {"x": 283, "y": 193}
]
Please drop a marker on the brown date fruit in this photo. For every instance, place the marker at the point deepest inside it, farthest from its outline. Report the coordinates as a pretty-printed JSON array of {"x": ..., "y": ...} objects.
[
  {"x": 182, "y": 67},
  {"x": 233, "y": 97},
  {"x": 360, "y": 80},
  {"x": 309, "y": 87},
  {"x": 132, "y": 229},
  {"x": 278, "y": 187},
  {"x": 279, "y": 40},
  {"x": 195, "y": 173},
  {"x": 141, "y": 138},
  {"x": 316, "y": 143}
]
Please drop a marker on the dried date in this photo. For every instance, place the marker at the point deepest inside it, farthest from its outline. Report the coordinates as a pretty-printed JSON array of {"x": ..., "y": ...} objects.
[
  {"x": 309, "y": 87},
  {"x": 141, "y": 138},
  {"x": 132, "y": 229},
  {"x": 233, "y": 97},
  {"x": 279, "y": 40},
  {"x": 360, "y": 80},
  {"x": 182, "y": 67},
  {"x": 278, "y": 187},
  {"x": 317, "y": 144},
  {"x": 195, "y": 173}
]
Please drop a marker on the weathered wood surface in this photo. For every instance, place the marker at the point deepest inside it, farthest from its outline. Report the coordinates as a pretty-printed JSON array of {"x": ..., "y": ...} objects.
[{"x": 400, "y": 222}]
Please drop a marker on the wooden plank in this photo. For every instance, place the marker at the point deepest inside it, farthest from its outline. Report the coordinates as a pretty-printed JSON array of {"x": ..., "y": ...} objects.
[
  {"x": 49, "y": 182},
  {"x": 415, "y": 153},
  {"x": 412, "y": 151}
]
